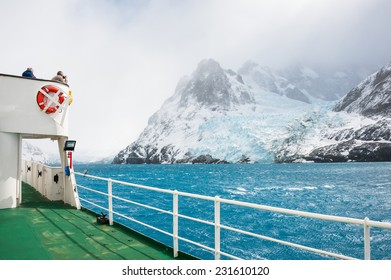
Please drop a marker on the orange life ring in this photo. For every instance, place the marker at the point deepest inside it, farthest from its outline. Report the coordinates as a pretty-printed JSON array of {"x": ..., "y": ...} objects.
[{"x": 43, "y": 101}]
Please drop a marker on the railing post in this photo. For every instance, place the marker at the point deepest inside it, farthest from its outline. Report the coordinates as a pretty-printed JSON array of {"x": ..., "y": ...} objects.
[
  {"x": 367, "y": 240},
  {"x": 175, "y": 223},
  {"x": 110, "y": 197},
  {"x": 217, "y": 228}
]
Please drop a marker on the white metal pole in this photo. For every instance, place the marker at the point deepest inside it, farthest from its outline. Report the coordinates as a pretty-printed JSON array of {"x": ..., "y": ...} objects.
[
  {"x": 367, "y": 240},
  {"x": 64, "y": 160},
  {"x": 175, "y": 223},
  {"x": 64, "y": 109},
  {"x": 19, "y": 178},
  {"x": 110, "y": 197},
  {"x": 217, "y": 228}
]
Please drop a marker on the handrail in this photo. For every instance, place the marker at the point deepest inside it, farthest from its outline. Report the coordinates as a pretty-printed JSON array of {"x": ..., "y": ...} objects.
[
  {"x": 216, "y": 223},
  {"x": 32, "y": 79}
]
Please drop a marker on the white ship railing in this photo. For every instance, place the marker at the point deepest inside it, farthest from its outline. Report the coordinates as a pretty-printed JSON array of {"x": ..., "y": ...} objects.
[{"x": 366, "y": 223}]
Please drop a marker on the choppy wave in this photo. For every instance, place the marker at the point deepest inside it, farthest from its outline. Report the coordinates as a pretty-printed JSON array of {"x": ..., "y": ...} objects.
[{"x": 352, "y": 189}]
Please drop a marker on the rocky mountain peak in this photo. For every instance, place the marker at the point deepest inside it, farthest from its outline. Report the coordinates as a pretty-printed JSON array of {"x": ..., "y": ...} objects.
[
  {"x": 340, "y": 136},
  {"x": 264, "y": 78},
  {"x": 372, "y": 97},
  {"x": 208, "y": 68},
  {"x": 212, "y": 86}
]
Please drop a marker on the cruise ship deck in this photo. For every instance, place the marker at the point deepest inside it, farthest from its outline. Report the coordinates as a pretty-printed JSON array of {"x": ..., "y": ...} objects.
[{"x": 44, "y": 230}]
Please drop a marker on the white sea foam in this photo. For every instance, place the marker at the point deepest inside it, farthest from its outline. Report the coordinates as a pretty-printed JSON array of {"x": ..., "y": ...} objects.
[
  {"x": 237, "y": 190},
  {"x": 301, "y": 188},
  {"x": 286, "y": 188},
  {"x": 268, "y": 188}
]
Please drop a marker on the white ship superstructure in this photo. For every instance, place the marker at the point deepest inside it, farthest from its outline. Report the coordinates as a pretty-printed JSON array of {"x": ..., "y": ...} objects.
[{"x": 32, "y": 109}]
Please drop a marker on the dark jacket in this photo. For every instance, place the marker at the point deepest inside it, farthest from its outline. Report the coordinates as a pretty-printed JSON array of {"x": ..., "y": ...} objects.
[{"x": 28, "y": 74}]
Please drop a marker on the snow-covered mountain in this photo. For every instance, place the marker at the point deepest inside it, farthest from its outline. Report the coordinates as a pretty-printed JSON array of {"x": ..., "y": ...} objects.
[
  {"x": 253, "y": 115},
  {"x": 46, "y": 152},
  {"x": 33, "y": 153},
  {"x": 358, "y": 129},
  {"x": 322, "y": 83},
  {"x": 266, "y": 79},
  {"x": 301, "y": 82},
  {"x": 372, "y": 97},
  {"x": 214, "y": 117}
]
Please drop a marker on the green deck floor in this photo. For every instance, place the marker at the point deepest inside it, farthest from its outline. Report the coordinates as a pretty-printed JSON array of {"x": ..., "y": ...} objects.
[{"x": 44, "y": 230}]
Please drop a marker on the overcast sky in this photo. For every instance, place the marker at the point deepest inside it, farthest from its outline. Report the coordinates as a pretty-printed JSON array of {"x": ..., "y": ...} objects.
[{"x": 124, "y": 58}]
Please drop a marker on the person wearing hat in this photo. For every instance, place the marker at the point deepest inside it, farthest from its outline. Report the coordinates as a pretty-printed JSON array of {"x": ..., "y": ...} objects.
[
  {"x": 29, "y": 73},
  {"x": 60, "y": 77}
]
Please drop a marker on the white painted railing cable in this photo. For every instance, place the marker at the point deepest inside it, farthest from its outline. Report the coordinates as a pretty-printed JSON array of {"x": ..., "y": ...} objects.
[{"x": 366, "y": 223}]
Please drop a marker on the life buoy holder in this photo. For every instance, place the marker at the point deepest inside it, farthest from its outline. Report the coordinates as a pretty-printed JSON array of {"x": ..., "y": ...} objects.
[{"x": 49, "y": 98}]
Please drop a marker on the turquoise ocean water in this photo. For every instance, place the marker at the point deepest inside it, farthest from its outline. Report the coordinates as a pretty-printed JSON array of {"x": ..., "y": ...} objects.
[{"x": 355, "y": 190}]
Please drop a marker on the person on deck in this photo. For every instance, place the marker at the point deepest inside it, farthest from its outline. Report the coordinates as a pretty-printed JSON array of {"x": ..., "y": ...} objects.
[
  {"x": 60, "y": 77},
  {"x": 29, "y": 73}
]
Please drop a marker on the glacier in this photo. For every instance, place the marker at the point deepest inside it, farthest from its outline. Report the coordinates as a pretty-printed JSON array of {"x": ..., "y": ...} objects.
[
  {"x": 357, "y": 129},
  {"x": 218, "y": 115}
]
